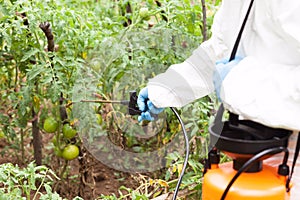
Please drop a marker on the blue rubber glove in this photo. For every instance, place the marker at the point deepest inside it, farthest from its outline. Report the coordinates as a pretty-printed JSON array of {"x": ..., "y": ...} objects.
[
  {"x": 146, "y": 106},
  {"x": 223, "y": 67}
]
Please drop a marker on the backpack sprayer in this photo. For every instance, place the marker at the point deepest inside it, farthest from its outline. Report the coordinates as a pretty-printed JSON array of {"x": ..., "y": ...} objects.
[{"x": 248, "y": 143}]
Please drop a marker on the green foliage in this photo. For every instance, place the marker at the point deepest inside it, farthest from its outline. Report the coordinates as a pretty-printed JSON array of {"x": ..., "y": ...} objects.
[
  {"x": 22, "y": 182},
  {"x": 102, "y": 48},
  {"x": 29, "y": 183}
]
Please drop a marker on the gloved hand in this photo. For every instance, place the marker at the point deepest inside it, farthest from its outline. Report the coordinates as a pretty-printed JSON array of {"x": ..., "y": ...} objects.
[
  {"x": 146, "y": 106},
  {"x": 223, "y": 67}
]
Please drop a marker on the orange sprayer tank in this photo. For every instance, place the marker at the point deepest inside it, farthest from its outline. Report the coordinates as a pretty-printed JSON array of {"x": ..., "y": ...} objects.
[
  {"x": 245, "y": 178},
  {"x": 263, "y": 185}
]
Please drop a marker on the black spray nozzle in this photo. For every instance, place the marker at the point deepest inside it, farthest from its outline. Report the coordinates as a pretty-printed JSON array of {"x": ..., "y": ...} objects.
[{"x": 133, "y": 109}]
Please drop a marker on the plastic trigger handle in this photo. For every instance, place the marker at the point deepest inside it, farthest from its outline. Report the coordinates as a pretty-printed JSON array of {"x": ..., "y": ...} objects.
[{"x": 132, "y": 107}]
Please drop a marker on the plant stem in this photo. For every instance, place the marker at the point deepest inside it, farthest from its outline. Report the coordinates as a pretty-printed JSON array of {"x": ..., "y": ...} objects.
[
  {"x": 37, "y": 137},
  {"x": 22, "y": 146},
  {"x": 61, "y": 174},
  {"x": 204, "y": 21},
  {"x": 43, "y": 180}
]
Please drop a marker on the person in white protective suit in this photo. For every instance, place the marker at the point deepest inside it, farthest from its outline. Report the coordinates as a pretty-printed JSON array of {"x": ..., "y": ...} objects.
[{"x": 262, "y": 85}]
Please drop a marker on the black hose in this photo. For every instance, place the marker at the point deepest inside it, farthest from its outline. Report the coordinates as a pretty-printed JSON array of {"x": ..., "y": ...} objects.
[
  {"x": 248, "y": 163},
  {"x": 187, "y": 148}
]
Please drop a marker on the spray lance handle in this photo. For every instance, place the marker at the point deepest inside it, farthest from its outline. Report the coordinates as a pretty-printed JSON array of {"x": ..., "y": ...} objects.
[{"x": 133, "y": 109}]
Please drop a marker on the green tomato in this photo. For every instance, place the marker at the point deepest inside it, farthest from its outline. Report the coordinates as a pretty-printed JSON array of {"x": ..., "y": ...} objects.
[
  {"x": 50, "y": 125},
  {"x": 68, "y": 131},
  {"x": 70, "y": 152}
]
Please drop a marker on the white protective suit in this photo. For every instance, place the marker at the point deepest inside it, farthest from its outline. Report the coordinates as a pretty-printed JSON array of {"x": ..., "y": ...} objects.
[{"x": 265, "y": 85}]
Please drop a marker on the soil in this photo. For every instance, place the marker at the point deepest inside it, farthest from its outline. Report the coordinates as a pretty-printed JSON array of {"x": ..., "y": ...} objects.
[{"x": 87, "y": 177}]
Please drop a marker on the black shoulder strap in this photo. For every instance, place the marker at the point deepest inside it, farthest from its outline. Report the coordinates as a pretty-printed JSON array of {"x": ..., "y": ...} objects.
[
  {"x": 294, "y": 163},
  {"x": 234, "y": 117},
  {"x": 238, "y": 39}
]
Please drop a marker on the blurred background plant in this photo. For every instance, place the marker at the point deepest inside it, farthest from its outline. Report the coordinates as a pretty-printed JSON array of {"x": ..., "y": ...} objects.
[{"x": 45, "y": 46}]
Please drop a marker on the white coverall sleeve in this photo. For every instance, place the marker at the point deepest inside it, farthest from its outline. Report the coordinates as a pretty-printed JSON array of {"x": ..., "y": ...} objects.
[
  {"x": 265, "y": 87},
  {"x": 183, "y": 83}
]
